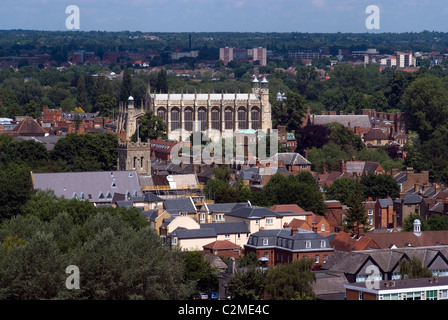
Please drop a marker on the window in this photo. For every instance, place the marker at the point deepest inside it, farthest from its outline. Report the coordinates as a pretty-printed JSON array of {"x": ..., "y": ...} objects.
[
  {"x": 202, "y": 217},
  {"x": 174, "y": 240},
  {"x": 227, "y": 236},
  {"x": 323, "y": 244},
  {"x": 161, "y": 112},
  {"x": 265, "y": 241},
  {"x": 242, "y": 118},
  {"x": 316, "y": 258},
  {"x": 239, "y": 235},
  {"x": 175, "y": 119},
  {"x": 361, "y": 294},
  {"x": 308, "y": 244},
  {"x": 188, "y": 119},
  {"x": 255, "y": 117},
  {"x": 228, "y": 119},
  {"x": 322, "y": 227},
  {"x": 443, "y": 294},
  {"x": 202, "y": 117},
  {"x": 431, "y": 295},
  {"x": 325, "y": 257},
  {"x": 370, "y": 212},
  {"x": 216, "y": 124},
  {"x": 269, "y": 221},
  {"x": 256, "y": 221}
]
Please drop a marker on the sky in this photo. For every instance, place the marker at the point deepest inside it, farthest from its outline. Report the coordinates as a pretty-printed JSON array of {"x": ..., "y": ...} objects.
[{"x": 313, "y": 16}]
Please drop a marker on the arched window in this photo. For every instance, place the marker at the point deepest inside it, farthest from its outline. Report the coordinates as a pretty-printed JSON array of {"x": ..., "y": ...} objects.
[
  {"x": 228, "y": 118},
  {"x": 242, "y": 118},
  {"x": 161, "y": 112},
  {"x": 188, "y": 119},
  {"x": 216, "y": 123},
  {"x": 141, "y": 162},
  {"x": 202, "y": 118},
  {"x": 175, "y": 119},
  {"x": 255, "y": 118}
]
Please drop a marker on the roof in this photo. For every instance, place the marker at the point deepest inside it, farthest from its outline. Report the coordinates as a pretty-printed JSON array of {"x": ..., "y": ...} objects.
[
  {"x": 406, "y": 239},
  {"x": 182, "y": 205},
  {"x": 376, "y": 134},
  {"x": 181, "y": 233},
  {"x": 361, "y": 167},
  {"x": 96, "y": 186},
  {"x": 221, "y": 245},
  {"x": 287, "y": 207},
  {"x": 347, "y": 242},
  {"x": 291, "y": 158},
  {"x": 227, "y": 227},
  {"x": 251, "y": 212},
  {"x": 384, "y": 203},
  {"x": 164, "y": 97},
  {"x": 302, "y": 240},
  {"x": 362, "y": 121},
  {"x": 29, "y": 127},
  {"x": 223, "y": 207},
  {"x": 385, "y": 285}
]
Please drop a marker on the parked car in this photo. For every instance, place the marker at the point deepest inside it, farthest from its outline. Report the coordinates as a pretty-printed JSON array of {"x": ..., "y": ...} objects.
[
  {"x": 203, "y": 295},
  {"x": 214, "y": 295}
]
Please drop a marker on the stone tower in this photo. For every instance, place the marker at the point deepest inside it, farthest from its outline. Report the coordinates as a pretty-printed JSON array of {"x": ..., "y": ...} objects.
[{"x": 132, "y": 155}]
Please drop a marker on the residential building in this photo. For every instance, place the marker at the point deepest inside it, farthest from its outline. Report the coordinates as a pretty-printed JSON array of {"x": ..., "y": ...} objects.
[
  {"x": 274, "y": 246},
  {"x": 236, "y": 232},
  {"x": 407, "y": 205},
  {"x": 223, "y": 248},
  {"x": 376, "y": 138},
  {"x": 287, "y": 139},
  {"x": 384, "y": 214}
]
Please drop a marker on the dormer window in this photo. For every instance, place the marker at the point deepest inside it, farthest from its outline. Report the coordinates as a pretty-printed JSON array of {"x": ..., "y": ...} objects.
[
  {"x": 308, "y": 244},
  {"x": 114, "y": 185}
]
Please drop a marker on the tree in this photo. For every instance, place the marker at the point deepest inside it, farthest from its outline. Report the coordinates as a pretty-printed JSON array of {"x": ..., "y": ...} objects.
[
  {"x": 380, "y": 186},
  {"x": 246, "y": 284},
  {"x": 356, "y": 213},
  {"x": 413, "y": 268},
  {"x": 151, "y": 127},
  {"x": 126, "y": 86},
  {"x": 341, "y": 189},
  {"x": 199, "y": 270},
  {"x": 313, "y": 136},
  {"x": 287, "y": 280},
  {"x": 408, "y": 223},
  {"x": 162, "y": 82},
  {"x": 81, "y": 93}
]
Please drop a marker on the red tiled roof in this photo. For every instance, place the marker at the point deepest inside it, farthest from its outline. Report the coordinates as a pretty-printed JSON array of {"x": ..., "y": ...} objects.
[
  {"x": 221, "y": 245},
  {"x": 287, "y": 207},
  {"x": 346, "y": 242},
  {"x": 406, "y": 239},
  {"x": 300, "y": 224}
]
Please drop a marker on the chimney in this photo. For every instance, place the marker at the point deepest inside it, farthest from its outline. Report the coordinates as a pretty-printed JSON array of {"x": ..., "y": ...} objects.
[
  {"x": 294, "y": 231},
  {"x": 342, "y": 166}
]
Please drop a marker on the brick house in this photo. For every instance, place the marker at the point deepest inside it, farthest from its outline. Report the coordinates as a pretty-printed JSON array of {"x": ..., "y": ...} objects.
[
  {"x": 288, "y": 244},
  {"x": 223, "y": 248}
]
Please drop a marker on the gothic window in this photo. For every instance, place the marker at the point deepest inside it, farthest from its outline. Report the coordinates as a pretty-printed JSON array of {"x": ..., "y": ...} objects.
[
  {"x": 242, "y": 118},
  {"x": 175, "y": 119},
  {"x": 188, "y": 119},
  {"x": 161, "y": 112},
  {"x": 215, "y": 119},
  {"x": 255, "y": 118},
  {"x": 141, "y": 162},
  {"x": 228, "y": 119},
  {"x": 135, "y": 162},
  {"x": 202, "y": 117}
]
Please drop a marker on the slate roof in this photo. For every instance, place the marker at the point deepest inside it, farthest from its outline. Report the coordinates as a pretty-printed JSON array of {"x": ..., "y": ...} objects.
[
  {"x": 384, "y": 203},
  {"x": 291, "y": 158},
  {"x": 283, "y": 238},
  {"x": 147, "y": 197},
  {"x": 361, "y": 121},
  {"x": 252, "y": 212},
  {"x": 361, "y": 167},
  {"x": 223, "y": 207},
  {"x": 193, "y": 233},
  {"x": 182, "y": 205},
  {"x": 97, "y": 186},
  {"x": 227, "y": 227}
]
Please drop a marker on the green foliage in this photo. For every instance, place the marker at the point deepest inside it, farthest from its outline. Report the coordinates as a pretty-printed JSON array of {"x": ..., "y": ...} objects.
[
  {"x": 199, "y": 271},
  {"x": 356, "y": 213},
  {"x": 302, "y": 190},
  {"x": 247, "y": 284},
  {"x": 341, "y": 189},
  {"x": 413, "y": 268},
  {"x": 380, "y": 186},
  {"x": 86, "y": 152},
  {"x": 287, "y": 280},
  {"x": 151, "y": 127},
  {"x": 118, "y": 256},
  {"x": 408, "y": 223}
]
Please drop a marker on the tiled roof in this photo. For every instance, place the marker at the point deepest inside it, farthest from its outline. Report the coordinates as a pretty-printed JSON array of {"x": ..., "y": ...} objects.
[
  {"x": 252, "y": 212},
  {"x": 221, "y": 245},
  {"x": 376, "y": 134},
  {"x": 193, "y": 233},
  {"x": 182, "y": 205},
  {"x": 361, "y": 121},
  {"x": 287, "y": 207},
  {"x": 405, "y": 239},
  {"x": 97, "y": 186},
  {"x": 227, "y": 227}
]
